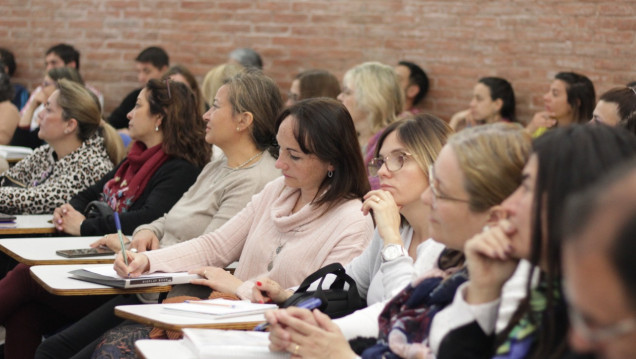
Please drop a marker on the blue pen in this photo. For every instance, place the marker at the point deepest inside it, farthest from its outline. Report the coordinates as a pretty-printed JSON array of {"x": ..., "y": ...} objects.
[
  {"x": 310, "y": 304},
  {"x": 121, "y": 237}
]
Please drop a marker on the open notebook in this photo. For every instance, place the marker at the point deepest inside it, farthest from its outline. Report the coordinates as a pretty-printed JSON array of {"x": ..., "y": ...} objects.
[
  {"x": 106, "y": 275},
  {"x": 218, "y": 308},
  {"x": 214, "y": 343}
]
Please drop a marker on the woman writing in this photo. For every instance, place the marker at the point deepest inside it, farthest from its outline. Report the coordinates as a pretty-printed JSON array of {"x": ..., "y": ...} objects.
[
  {"x": 462, "y": 198},
  {"x": 250, "y": 101},
  {"x": 167, "y": 155},
  {"x": 80, "y": 149}
]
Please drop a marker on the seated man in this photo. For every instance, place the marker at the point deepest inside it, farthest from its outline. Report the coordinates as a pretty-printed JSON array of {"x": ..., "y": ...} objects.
[
  {"x": 599, "y": 269},
  {"x": 152, "y": 62},
  {"x": 414, "y": 83}
]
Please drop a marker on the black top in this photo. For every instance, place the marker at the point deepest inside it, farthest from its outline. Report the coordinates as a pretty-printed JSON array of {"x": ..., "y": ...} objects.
[
  {"x": 118, "y": 117},
  {"x": 165, "y": 188},
  {"x": 27, "y": 138}
]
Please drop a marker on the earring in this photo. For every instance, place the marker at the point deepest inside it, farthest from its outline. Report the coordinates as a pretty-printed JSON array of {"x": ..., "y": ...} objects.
[
  {"x": 157, "y": 128},
  {"x": 330, "y": 174},
  {"x": 66, "y": 131},
  {"x": 238, "y": 129}
]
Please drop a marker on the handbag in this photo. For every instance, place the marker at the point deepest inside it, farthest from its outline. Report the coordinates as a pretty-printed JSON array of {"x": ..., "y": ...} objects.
[
  {"x": 97, "y": 209},
  {"x": 336, "y": 301}
]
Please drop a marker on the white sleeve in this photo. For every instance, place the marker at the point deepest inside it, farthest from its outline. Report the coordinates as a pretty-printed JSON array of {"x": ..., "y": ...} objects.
[{"x": 361, "y": 323}]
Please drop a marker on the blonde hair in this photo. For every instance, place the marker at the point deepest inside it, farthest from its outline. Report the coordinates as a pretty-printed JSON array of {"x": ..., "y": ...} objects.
[
  {"x": 377, "y": 92},
  {"x": 215, "y": 78},
  {"x": 491, "y": 158},
  {"x": 82, "y": 105}
]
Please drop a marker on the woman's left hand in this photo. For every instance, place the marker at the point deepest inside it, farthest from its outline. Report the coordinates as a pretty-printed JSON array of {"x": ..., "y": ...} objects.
[
  {"x": 71, "y": 219},
  {"x": 217, "y": 278},
  {"x": 386, "y": 214},
  {"x": 320, "y": 339}
]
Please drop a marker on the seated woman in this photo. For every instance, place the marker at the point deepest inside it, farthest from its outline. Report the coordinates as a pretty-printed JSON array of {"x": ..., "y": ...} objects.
[
  {"x": 164, "y": 161},
  {"x": 309, "y": 218},
  {"x": 372, "y": 94},
  {"x": 493, "y": 101},
  {"x": 617, "y": 107},
  {"x": 9, "y": 115},
  {"x": 249, "y": 100},
  {"x": 26, "y": 134},
  {"x": 569, "y": 100},
  {"x": 80, "y": 149},
  {"x": 163, "y": 118},
  {"x": 312, "y": 83},
  {"x": 400, "y": 249},
  {"x": 562, "y": 162},
  {"x": 462, "y": 198}
]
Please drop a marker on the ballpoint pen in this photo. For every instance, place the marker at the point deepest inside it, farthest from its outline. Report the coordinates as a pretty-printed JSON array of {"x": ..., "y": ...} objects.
[
  {"x": 121, "y": 237},
  {"x": 311, "y": 303}
]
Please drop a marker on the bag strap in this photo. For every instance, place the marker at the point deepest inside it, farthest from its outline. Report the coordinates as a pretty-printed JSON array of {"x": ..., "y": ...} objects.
[
  {"x": 341, "y": 277},
  {"x": 333, "y": 268}
]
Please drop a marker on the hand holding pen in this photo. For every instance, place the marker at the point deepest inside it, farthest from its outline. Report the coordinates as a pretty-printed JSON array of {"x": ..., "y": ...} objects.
[
  {"x": 138, "y": 263},
  {"x": 309, "y": 304}
]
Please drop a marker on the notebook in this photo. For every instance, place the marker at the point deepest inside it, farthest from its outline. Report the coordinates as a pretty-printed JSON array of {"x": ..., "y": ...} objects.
[
  {"x": 214, "y": 343},
  {"x": 218, "y": 308},
  {"x": 106, "y": 275}
]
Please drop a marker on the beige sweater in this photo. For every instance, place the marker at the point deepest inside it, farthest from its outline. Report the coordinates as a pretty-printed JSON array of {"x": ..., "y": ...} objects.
[
  {"x": 218, "y": 194},
  {"x": 309, "y": 239}
]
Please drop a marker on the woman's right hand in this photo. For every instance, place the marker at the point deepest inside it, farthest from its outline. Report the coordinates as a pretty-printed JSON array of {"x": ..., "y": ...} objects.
[
  {"x": 386, "y": 214},
  {"x": 541, "y": 119},
  {"x": 138, "y": 263},
  {"x": 145, "y": 240},
  {"x": 489, "y": 262},
  {"x": 111, "y": 241},
  {"x": 267, "y": 290}
]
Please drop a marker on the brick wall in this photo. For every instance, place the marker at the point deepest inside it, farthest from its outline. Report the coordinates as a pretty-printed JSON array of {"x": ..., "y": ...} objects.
[{"x": 456, "y": 41}]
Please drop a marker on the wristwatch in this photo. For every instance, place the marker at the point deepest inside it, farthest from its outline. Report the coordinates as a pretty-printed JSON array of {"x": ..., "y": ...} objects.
[{"x": 392, "y": 251}]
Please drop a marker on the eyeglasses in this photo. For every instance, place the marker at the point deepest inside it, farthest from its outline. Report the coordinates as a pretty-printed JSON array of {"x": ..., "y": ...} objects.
[
  {"x": 394, "y": 161},
  {"x": 436, "y": 193},
  {"x": 601, "y": 334}
]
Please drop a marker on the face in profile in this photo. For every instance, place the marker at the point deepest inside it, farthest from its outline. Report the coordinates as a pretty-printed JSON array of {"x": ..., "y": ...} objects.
[
  {"x": 482, "y": 106},
  {"x": 221, "y": 120},
  {"x": 348, "y": 99},
  {"x": 606, "y": 113},
  {"x": 141, "y": 123},
  {"x": 556, "y": 100},
  {"x": 52, "y": 125}
]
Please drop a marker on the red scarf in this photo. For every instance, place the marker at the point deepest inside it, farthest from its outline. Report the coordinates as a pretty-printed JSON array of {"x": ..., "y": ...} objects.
[{"x": 133, "y": 175}]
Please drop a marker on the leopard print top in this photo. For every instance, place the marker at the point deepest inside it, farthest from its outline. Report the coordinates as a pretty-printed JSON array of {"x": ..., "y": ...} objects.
[{"x": 51, "y": 182}]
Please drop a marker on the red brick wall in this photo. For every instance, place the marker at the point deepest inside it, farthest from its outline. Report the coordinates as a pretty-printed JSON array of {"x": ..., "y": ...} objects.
[{"x": 456, "y": 41}]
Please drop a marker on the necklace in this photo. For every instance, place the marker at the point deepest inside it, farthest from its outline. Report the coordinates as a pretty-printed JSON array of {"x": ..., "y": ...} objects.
[{"x": 248, "y": 161}]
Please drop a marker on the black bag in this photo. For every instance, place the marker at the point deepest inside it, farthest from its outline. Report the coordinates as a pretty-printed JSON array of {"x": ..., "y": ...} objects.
[
  {"x": 336, "y": 301},
  {"x": 97, "y": 209}
]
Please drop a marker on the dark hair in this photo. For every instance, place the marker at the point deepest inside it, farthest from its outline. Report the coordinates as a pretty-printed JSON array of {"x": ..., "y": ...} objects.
[
  {"x": 6, "y": 89},
  {"x": 69, "y": 73},
  {"x": 324, "y": 127},
  {"x": 67, "y": 53},
  {"x": 581, "y": 95},
  {"x": 502, "y": 89},
  {"x": 570, "y": 159},
  {"x": 183, "y": 130},
  {"x": 192, "y": 82},
  {"x": 252, "y": 91},
  {"x": 625, "y": 100},
  {"x": 155, "y": 56},
  {"x": 247, "y": 57},
  {"x": 417, "y": 77},
  {"x": 318, "y": 83},
  {"x": 8, "y": 60}
]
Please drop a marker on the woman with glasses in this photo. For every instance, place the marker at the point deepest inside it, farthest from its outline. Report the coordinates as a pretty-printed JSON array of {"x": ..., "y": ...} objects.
[
  {"x": 563, "y": 162},
  {"x": 463, "y": 197},
  {"x": 400, "y": 249}
]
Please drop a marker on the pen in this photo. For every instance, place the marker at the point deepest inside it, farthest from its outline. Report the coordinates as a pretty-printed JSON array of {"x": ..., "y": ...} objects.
[
  {"x": 121, "y": 237},
  {"x": 311, "y": 303}
]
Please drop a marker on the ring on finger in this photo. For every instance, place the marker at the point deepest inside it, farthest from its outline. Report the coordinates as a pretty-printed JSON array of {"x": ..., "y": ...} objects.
[
  {"x": 376, "y": 199},
  {"x": 296, "y": 348},
  {"x": 486, "y": 228},
  {"x": 204, "y": 274}
]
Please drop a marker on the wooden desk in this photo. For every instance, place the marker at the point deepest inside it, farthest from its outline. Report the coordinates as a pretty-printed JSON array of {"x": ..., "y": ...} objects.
[
  {"x": 30, "y": 224},
  {"x": 56, "y": 280},
  {"x": 155, "y": 315},
  {"x": 41, "y": 250},
  {"x": 163, "y": 349}
]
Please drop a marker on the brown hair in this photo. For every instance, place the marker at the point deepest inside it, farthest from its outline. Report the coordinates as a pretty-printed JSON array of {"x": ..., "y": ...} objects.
[
  {"x": 625, "y": 100},
  {"x": 183, "y": 130},
  {"x": 79, "y": 103},
  {"x": 251, "y": 91},
  {"x": 318, "y": 83},
  {"x": 324, "y": 127},
  {"x": 192, "y": 83}
]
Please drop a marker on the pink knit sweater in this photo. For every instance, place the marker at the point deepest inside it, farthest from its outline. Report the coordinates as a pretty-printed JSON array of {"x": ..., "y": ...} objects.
[{"x": 309, "y": 239}]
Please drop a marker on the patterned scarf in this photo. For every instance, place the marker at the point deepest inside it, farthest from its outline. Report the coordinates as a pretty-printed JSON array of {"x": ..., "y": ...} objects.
[
  {"x": 406, "y": 319},
  {"x": 132, "y": 176}
]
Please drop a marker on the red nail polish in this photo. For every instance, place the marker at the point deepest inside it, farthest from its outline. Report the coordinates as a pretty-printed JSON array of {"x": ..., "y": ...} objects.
[
  {"x": 261, "y": 301},
  {"x": 258, "y": 284}
]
